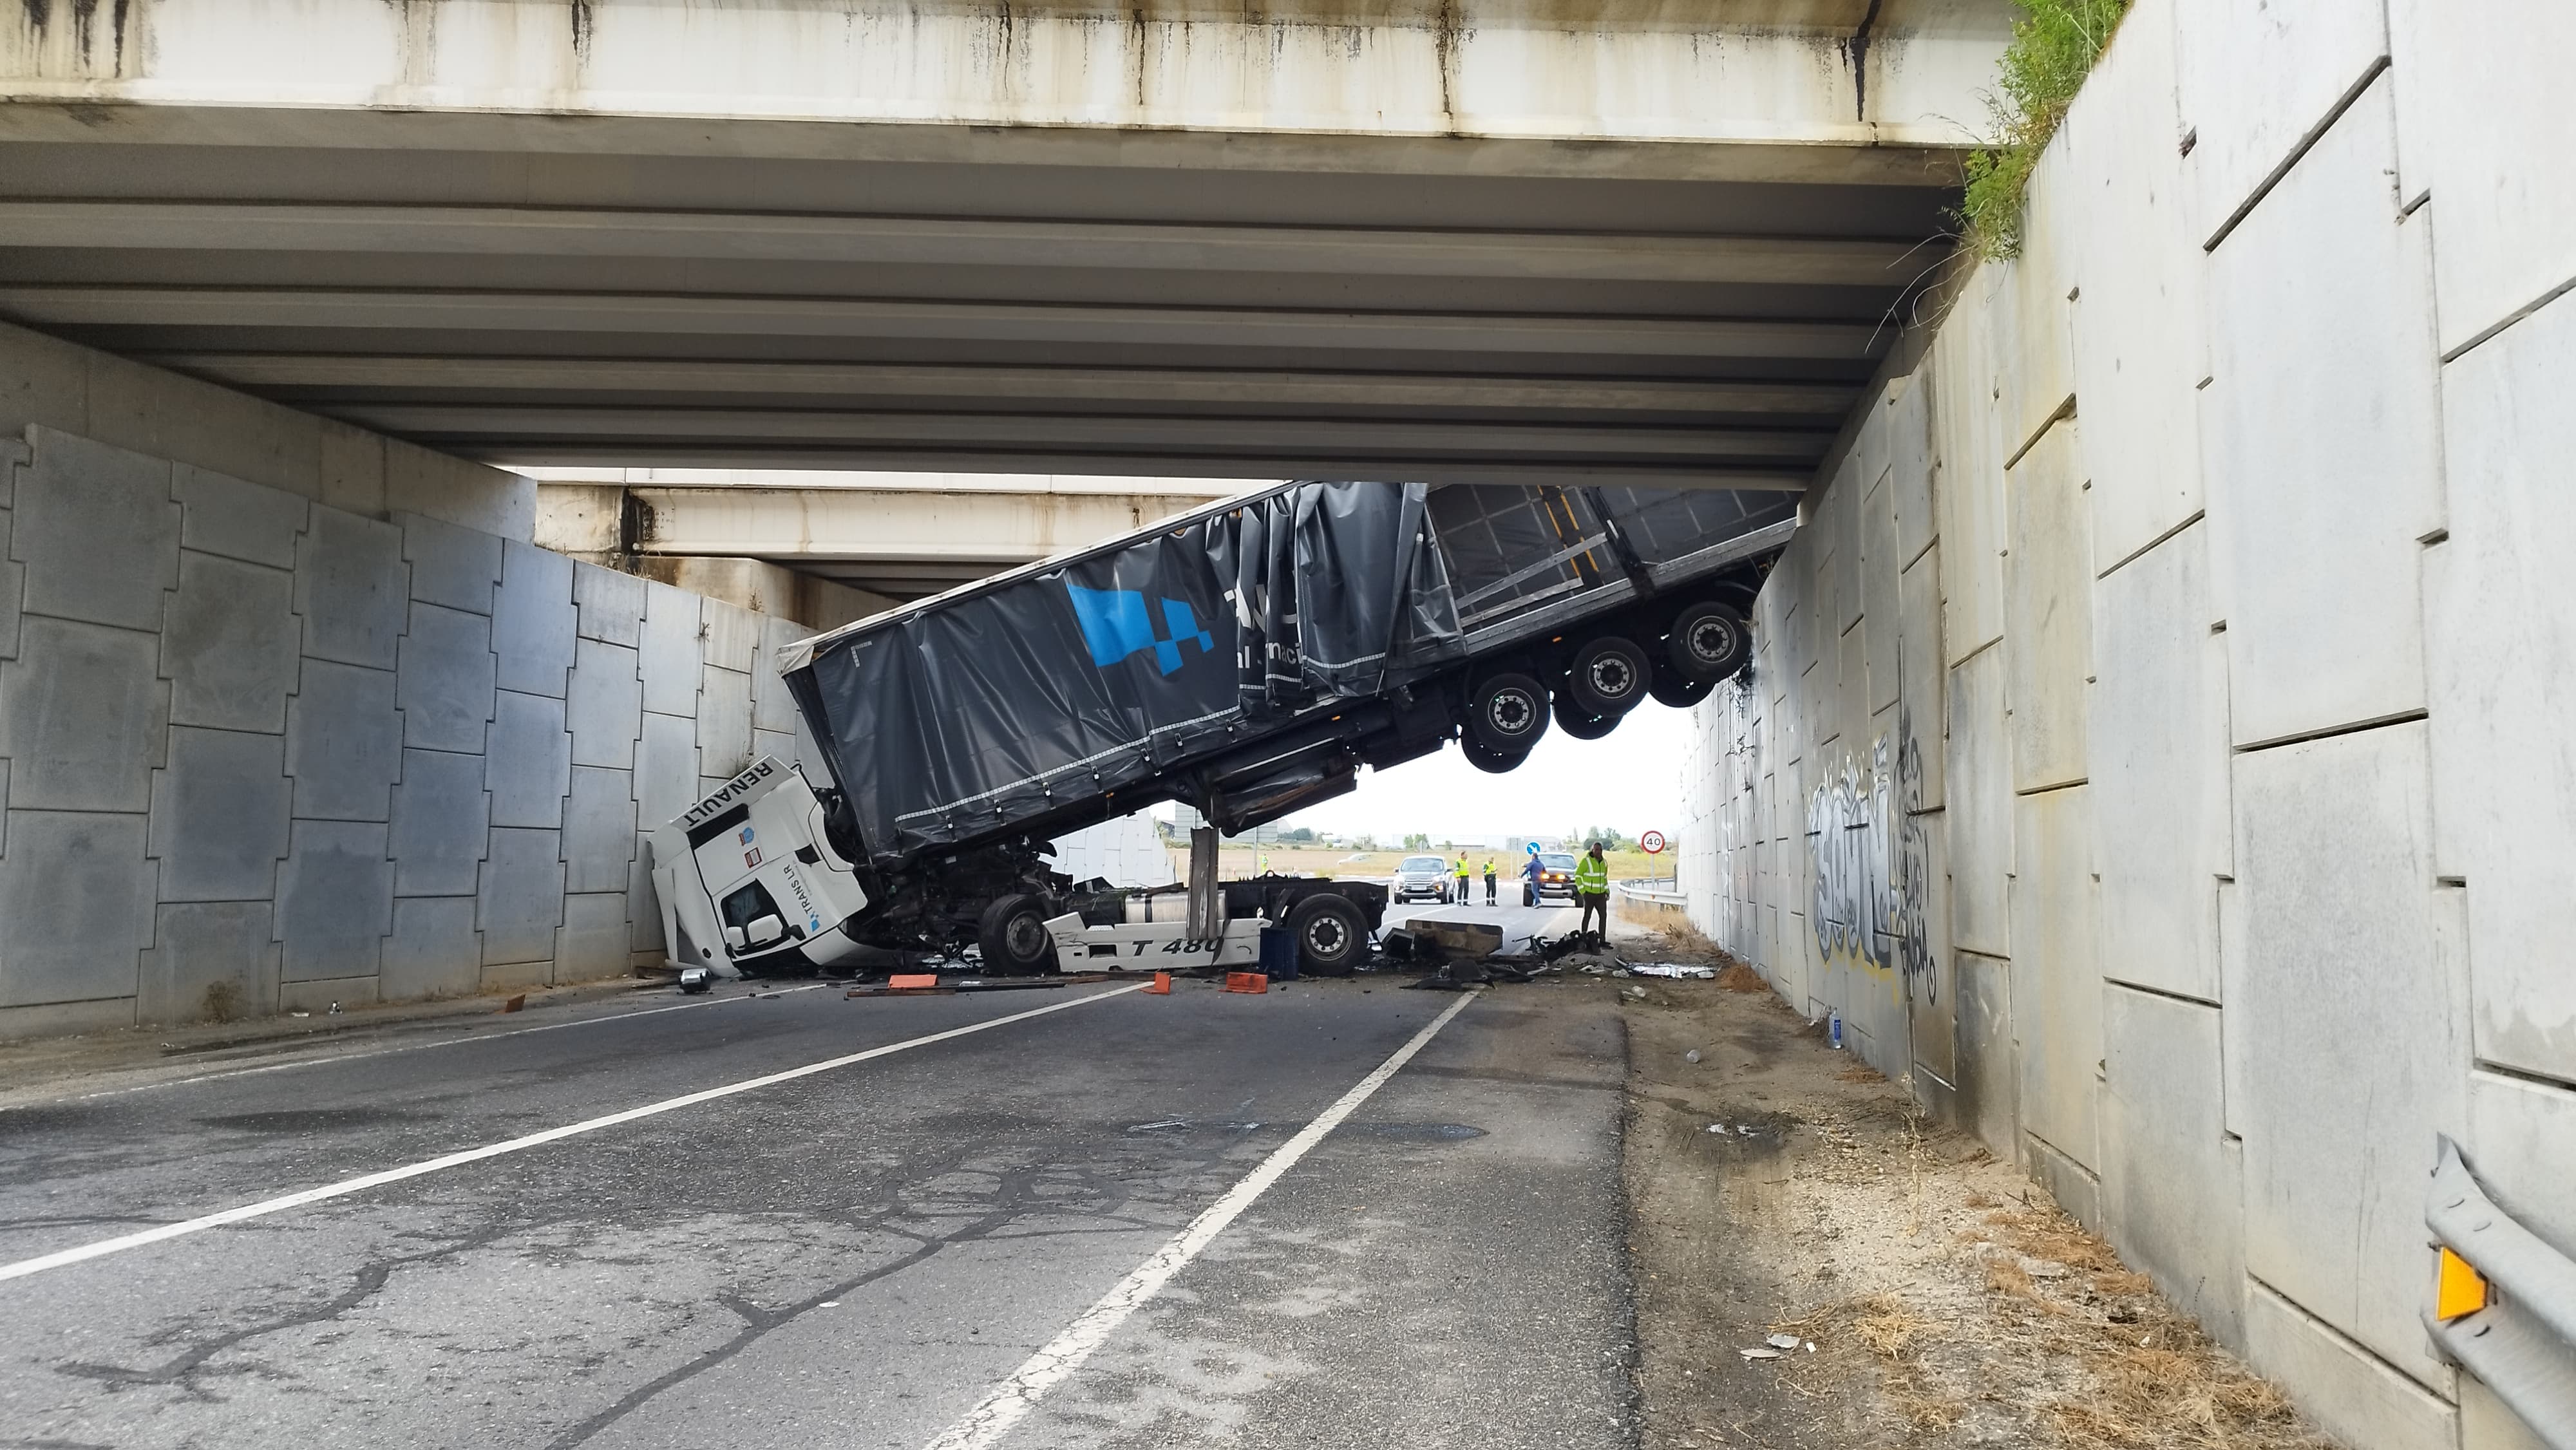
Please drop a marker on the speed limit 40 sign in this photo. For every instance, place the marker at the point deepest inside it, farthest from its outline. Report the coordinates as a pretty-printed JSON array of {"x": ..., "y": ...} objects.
[{"x": 1652, "y": 842}]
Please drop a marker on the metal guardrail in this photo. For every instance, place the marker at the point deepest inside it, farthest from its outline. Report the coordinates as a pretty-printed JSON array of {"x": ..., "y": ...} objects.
[
  {"x": 2504, "y": 1302},
  {"x": 1657, "y": 889}
]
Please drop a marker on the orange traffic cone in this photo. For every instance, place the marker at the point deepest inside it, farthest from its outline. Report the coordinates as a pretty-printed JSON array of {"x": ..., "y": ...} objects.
[{"x": 1162, "y": 986}]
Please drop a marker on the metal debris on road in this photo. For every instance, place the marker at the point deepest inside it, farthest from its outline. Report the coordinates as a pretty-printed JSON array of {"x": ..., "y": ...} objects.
[
  {"x": 1763, "y": 1352},
  {"x": 1671, "y": 969},
  {"x": 1782, "y": 1341},
  {"x": 1691, "y": 1056}
]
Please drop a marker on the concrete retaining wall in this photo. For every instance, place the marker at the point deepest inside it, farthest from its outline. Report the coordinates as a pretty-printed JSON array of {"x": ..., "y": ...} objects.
[
  {"x": 2156, "y": 744},
  {"x": 292, "y": 714}
]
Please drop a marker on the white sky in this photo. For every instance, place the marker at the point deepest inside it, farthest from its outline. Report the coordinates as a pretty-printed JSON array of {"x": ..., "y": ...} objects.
[{"x": 1629, "y": 781}]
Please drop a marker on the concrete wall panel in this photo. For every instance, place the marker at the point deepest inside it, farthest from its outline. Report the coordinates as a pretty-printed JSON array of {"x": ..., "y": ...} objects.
[
  {"x": 533, "y": 620},
  {"x": 2170, "y": 1189},
  {"x": 2255, "y": 82},
  {"x": 1911, "y": 468},
  {"x": 2033, "y": 348},
  {"x": 245, "y": 521},
  {"x": 732, "y": 636},
  {"x": 1986, "y": 1078},
  {"x": 2056, "y": 978},
  {"x": 440, "y": 814},
  {"x": 643, "y": 909},
  {"x": 1970, "y": 494},
  {"x": 2140, "y": 334},
  {"x": 2350, "y": 998},
  {"x": 724, "y": 723},
  {"x": 82, "y": 714},
  {"x": 76, "y": 891},
  {"x": 772, "y": 708},
  {"x": 1979, "y": 807},
  {"x": 353, "y": 589},
  {"x": 610, "y": 605},
  {"x": 599, "y": 839},
  {"x": 229, "y": 644},
  {"x": 603, "y": 703},
  {"x": 2351, "y": 1395},
  {"x": 529, "y": 769},
  {"x": 13, "y": 578},
  {"x": 343, "y": 742},
  {"x": 445, "y": 682},
  {"x": 591, "y": 944},
  {"x": 1878, "y": 589},
  {"x": 2484, "y": 125},
  {"x": 2159, "y": 767},
  {"x": 433, "y": 951},
  {"x": 666, "y": 768},
  {"x": 196, "y": 946},
  {"x": 780, "y": 743},
  {"x": 1922, "y": 683},
  {"x": 451, "y": 566},
  {"x": 335, "y": 901},
  {"x": 2518, "y": 1132},
  {"x": 219, "y": 815},
  {"x": 522, "y": 897},
  {"x": 2503, "y": 685},
  {"x": 2048, "y": 613},
  {"x": 2339, "y": 453},
  {"x": 96, "y": 531},
  {"x": 670, "y": 650}
]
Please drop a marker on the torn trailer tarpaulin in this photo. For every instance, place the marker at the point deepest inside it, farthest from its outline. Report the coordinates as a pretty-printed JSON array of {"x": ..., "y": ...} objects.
[{"x": 949, "y": 723}]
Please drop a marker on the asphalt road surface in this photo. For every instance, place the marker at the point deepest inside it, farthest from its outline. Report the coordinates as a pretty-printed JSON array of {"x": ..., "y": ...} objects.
[{"x": 979, "y": 1237}]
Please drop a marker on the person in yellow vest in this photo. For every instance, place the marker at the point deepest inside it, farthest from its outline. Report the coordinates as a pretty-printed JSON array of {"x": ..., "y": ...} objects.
[
  {"x": 1489, "y": 881},
  {"x": 1592, "y": 892},
  {"x": 1466, "y": 884}
]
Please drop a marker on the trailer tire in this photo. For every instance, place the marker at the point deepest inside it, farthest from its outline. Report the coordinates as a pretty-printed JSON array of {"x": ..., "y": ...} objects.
[
  {"x": 1331, "y": 938},
  {"x": 1013, "y": 936},
  {"x": 1507, "y": 712},
  {"x": 1492, "y": 762},
  {"x": 1708, "y": 641},
  {"x": 1575, "y": 720},
  {"x": 1609, "y": 675},
  {"x": 1671, "y": 689}
]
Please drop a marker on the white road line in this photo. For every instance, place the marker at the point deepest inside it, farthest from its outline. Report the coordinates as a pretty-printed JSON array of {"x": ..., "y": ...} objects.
[
  {"x": 986, "y": 1424},
  {"x": 404, "y": 1047},
  {"x": 347, "y": 1186}
]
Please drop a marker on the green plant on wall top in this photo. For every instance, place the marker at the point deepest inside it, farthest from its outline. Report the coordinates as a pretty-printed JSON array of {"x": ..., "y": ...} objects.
[{"x": 2053, "y": 48}]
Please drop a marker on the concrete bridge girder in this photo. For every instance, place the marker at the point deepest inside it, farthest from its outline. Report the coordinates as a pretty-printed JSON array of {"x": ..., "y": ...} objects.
[{"x": 1610, "y": 241}]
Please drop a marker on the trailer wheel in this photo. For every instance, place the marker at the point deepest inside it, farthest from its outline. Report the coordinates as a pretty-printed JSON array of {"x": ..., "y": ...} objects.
[
  {"x": 1507, "y": 712},
  {"x": 1492, "y": 762},
  {"x": 1014, "y": 937},
  {"x": 1575, "y": 720},
  {"x": 1609, "y": 674},
  {"x": 1708, "y": 642},
  {"x": 1671, "y": 689},
  {"x": 1329, "y": 934}
]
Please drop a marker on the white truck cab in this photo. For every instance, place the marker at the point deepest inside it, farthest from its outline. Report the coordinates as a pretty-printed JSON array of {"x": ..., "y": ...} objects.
[{"x": 748, "y": 874}]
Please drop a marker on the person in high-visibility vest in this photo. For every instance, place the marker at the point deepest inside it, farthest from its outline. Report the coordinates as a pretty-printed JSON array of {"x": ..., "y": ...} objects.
[
  {"x": 1592, "y": 891},
  {"x": 1489, "y": 881},
  {"x": 1465, "y": 883}
]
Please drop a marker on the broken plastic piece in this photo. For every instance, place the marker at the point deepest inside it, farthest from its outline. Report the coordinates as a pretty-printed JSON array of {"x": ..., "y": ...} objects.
[
  {"x": 1760, "y": 1353},
  {"x": 1782, "y": 1341},
  {"x": 1251, "y": 982},
  {"x": 912, "y": 981}
]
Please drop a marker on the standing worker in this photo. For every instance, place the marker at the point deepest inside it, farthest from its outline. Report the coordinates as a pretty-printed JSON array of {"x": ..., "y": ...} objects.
[
  {"x": 1592, "y": 890},
  {"x": 1466, "y": 884},
  {"x": 1489, "y": 881},
  {"x": 1529, "y": 877}
]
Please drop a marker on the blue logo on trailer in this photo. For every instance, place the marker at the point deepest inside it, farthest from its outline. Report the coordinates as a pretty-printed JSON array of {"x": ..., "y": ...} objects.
[{"x": 1117, "y": 624}]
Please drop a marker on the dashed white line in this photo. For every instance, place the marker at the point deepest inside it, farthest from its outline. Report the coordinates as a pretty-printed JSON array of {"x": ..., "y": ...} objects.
[
  {"x": 24, "y": 1267},
  {"x": 986, "y": 1424}
]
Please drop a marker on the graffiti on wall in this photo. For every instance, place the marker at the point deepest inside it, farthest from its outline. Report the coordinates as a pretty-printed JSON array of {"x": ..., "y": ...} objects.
[{"x": 1873, "y": 863}]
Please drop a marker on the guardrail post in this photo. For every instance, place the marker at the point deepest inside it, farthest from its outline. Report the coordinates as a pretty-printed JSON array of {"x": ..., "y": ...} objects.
[{"x": 2504, "y": 1303}]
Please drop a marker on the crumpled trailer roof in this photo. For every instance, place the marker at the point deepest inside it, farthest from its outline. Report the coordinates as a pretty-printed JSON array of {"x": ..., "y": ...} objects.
[{"x": 1090, "y": 678}]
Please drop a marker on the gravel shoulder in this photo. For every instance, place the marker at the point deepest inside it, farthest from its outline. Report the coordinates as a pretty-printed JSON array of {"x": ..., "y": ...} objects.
[{"x": 1894, "y": 1283}]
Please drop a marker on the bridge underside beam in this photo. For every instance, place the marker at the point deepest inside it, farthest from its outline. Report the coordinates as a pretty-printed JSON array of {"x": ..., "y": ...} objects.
[{"x": 1450, "y": 240}]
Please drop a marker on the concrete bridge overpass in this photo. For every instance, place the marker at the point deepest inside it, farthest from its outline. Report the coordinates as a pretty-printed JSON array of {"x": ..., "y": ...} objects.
[{"x": 1615, "y": 241}]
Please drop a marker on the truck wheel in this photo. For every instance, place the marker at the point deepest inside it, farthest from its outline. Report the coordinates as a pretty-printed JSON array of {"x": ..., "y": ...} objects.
[
  {"x": 1014, "y": 937},
  {"x": 1581, "y": 723},
  {"x": 1329, "y": 934},
  {"x": 1671, "y": 689},
  {"x": 1492, "y": 762},
  {"x": 1709, "y": 641},
  {"x": 1507, "y": 712},
  {"x": 1609, "y": 674}
]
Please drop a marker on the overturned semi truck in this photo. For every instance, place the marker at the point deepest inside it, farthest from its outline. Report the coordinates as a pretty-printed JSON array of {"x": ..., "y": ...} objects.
[{"x": 1246, "y": 658}]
